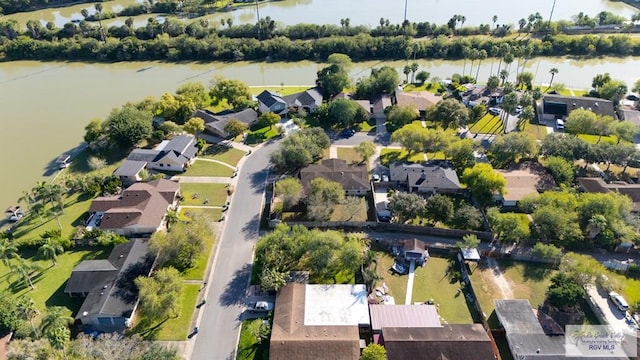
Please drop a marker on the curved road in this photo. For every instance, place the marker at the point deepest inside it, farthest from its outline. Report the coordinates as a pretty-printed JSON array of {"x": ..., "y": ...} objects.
[{"x": 228, "y": 281}]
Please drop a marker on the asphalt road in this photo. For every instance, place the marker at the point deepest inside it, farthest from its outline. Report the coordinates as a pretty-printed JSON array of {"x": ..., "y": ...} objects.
[{"x": 220, "y": 322}]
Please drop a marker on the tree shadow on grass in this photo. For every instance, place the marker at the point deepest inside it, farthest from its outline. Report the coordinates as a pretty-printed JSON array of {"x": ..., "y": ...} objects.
[
  {"x": 59, "y": 298},
  {"x": 236, "y": 289},
  {"x": 536, "y": 272},
  {"x": 147, "y": 329}
]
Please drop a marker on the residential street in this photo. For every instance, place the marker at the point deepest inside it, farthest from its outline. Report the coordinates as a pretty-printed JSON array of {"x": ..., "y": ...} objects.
[{"x": 219, "y": 323}]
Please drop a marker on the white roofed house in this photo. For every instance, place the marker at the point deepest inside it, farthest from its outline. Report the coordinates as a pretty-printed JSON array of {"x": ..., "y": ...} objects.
[{"x": 176, "y": 154}]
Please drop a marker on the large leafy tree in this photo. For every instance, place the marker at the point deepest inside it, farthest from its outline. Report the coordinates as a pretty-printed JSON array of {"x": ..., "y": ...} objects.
[
  {"x": 345, "y": 112},
  {"x": 269, "y": 118},
  {"x": 333, "y": 79},
  {"x": 93, "y": 130},
  {"x": 290, "y": 190},
  {"x": 160, "y": 294},
  {"x": 564, "y": 291},
  {"x": 623, "y": 130},
  {"x": 300, "y": 149},
  {"x": 460, "y": 152},
  {"x": 9, "y": 314},
  {"x": 196, "y": 93},
  {"x": 467, "y": 217},
  {"x": 384, "y": 80},
  {"x": 234, "y": 92},
  {"x": 406, "y": 206},
  {"x": 235, "y": 127},
  {"x": 374, "y": 352},
  {"x": 561, "y": 170},
  {"x": 176, "y": 108},
  {"x": 451, "y": 113},
  {"x": 507, "y": 227},
  {"x": 439, "y": 208},
  {"x": 194, "y": 126},
  {"x": 484, "y": 182},
  {"x": 182, "y": 244},
  {"x": 509, "y": 148},
  {"x": 116, "y": 346},
  {"x": 366, "y": 149},
  {"x": 127, "y": 126},
  {"x": 402, "y": 115},
  {"x": 411, "y": 137},
  {"x": 322, "y": 199},
  {"x": 546, "y": 251}
]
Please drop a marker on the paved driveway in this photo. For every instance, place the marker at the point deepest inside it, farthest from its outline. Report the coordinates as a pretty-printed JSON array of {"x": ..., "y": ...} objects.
[
  {"x": 614, "y": 317},
  {"x": 219, "y": 323}
]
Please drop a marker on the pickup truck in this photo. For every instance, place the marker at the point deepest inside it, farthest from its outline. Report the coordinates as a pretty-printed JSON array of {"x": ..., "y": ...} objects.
[{"x": 261, "y": 307}]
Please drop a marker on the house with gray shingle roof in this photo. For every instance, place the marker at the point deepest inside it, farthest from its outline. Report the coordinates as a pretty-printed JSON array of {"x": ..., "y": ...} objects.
[
  {"x": 215, "y": 123},
  {"x": 107, "y": 286},
  {"x": 170, "y": 155},
  {"x": 269, "y": 101},
  {"x": 434, "y": 176},
  {"x": 129, "y": 171}
]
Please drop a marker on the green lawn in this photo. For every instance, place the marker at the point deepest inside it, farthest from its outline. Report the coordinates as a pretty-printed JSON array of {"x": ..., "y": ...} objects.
[
  {"x": 198, "y": 270},
  {"x": 208, "y": 168},
  {"x": 593, "y": 139},
  {"x": 427, "y": 86},
  {"x": 388, "y": 156},
  {"x": 339, "y": 214},
  {"x": 350, "y": 155},
  {"x": 528, "y": 281},
  {"x": 538, "y": 132},
  {"x": 256, "y": 136},
  {"x": 488, "y": 124},
  {"x": 248, "y": 347},
  {"x": 282, "y": 90},
  {"x": 80, "y": 164},
  {"x": 49, "y": 286},
  {"x": 431, "y": 282},
  {"x": 75, "y": 212},
  {"x": 367, "y": 126},
  {"x": 223, "y": 153},
  {"x": 177, "y": 329},
  {"x": 436, "y": 156},
  {"x": 197, "y": 194}
]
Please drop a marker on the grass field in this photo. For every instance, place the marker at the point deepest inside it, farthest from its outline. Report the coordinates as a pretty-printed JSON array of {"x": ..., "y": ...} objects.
[
  {"x": 208, "y": 168},
  {"x": 388, "y": 156},
  {"x": 283, "y": 90},
  {"x": 196, "y": 194},
  {"x": 258, "y": 135},
  {"x": 528, "y": 281},
  {"x": 248, "y": 347},
  {"x": 223, "y": 153},
  {"x": 431, "y": 282},
  {"x": 179, "y": 328},
  {"x": 350, "y": 155},
  {"x": 75, "y": 211},
  {"x": 367, "y": 126},
  {"x": 538, "y": 132},
  {"x": 49, "y": 286},
  {"x": 593, "y": 139},
  {"x": 488, "y": 124}
]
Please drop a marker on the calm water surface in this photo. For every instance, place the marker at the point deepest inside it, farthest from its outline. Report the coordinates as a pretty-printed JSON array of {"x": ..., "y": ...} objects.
[{"x": 366, "y": 12}]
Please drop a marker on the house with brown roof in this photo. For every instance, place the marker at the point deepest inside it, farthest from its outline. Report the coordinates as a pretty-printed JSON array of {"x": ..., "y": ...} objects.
[
  {"x": 319, "y": 322},
  {"x": 524, "y": 179},
  {"x": 420, "y": 100},
  {"x": 353, "y": 178},
  {"x": 449, "y": 342},
  {"x": 598, "y": 185},
  {"x": 429, "y": 177},
  {"x": 140, "y": 209},
  {"x": 110, "y": 298}
]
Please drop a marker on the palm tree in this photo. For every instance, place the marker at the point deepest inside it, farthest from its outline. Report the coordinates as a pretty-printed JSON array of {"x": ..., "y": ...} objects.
[
  {"x": 28, "y": 310},
  {"x": 55, "y": 327},
  {"x": 503, "y": 75},
  {"x": 596, "y": 225},
  {"x": 24, "y": 269},
  {"x": 172, "y": 218},
  {"x": 482, "y": 54},
  {"x": 526, "y": 116},
  {"x": 509, "y": 103},
  {"x": 50, "y": 250},
  {"x": 8, "y": 251},
  {"x": 38, "y": 210},
  {"x": 414, "y": 68},
  {"x": 473, "y": 55},
  {"x": 56, "y": 211},
  {"x": 495, "y": 20},
  {"x": 465, "y": 54},
  {"x": 553, "y": 73},
  {"x": 406, "y": 71},
  {"x": 99, "y": 8}
]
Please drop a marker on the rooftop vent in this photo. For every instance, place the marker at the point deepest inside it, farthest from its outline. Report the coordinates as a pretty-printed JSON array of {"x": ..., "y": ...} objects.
[
  {"x": 596, "y": 104},
  {"x": 574, "y": 104}
]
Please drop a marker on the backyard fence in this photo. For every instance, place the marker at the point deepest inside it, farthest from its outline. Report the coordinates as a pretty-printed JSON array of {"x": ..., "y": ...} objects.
[
  {"x": 524, "y": 255},
  {"x": 433, "y": 231}
]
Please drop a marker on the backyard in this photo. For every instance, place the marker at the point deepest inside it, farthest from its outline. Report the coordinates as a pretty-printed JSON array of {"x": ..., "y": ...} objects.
[
  {"x": 203, "y": 194},
  {"x": 208, "y": 168},
  {"x": 432, "y": 281}
]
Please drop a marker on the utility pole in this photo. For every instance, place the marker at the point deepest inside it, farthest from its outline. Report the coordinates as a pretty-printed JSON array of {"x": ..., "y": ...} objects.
[
  {"x": 405, "y": 11},
  {"x": 258, "y": 13},
  {"x": 552, "y": 9}
]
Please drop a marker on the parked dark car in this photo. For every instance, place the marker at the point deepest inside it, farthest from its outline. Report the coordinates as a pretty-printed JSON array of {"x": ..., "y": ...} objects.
[{"x": 347, "y": 133}]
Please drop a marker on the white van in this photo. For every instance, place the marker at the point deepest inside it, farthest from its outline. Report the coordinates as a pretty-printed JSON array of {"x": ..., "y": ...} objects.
[
  {"x": 618, "y": 301},
  {"x": 560, "y": 124}
]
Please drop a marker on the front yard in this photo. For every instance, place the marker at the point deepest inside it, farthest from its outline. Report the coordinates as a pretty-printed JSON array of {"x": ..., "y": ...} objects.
[
  {"x": 388, "y": 156},
  {"x": 350, "y": 155},
  {"x": 208, "y": 168},
  {"x": 203, "y": 194},
  {"x": 488, "y": 124},
  {"x": 433, "y": 281},
  {"x": 222, "y": 153}
]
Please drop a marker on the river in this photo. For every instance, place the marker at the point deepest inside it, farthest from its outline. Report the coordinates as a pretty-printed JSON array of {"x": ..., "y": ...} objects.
[
  {"x": 46, "y": 105},
  {"x": 361, "y": 12}
]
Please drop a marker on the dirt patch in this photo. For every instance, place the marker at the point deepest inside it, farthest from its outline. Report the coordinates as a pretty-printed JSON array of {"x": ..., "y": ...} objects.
[{"x": 499, "y": 280}]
